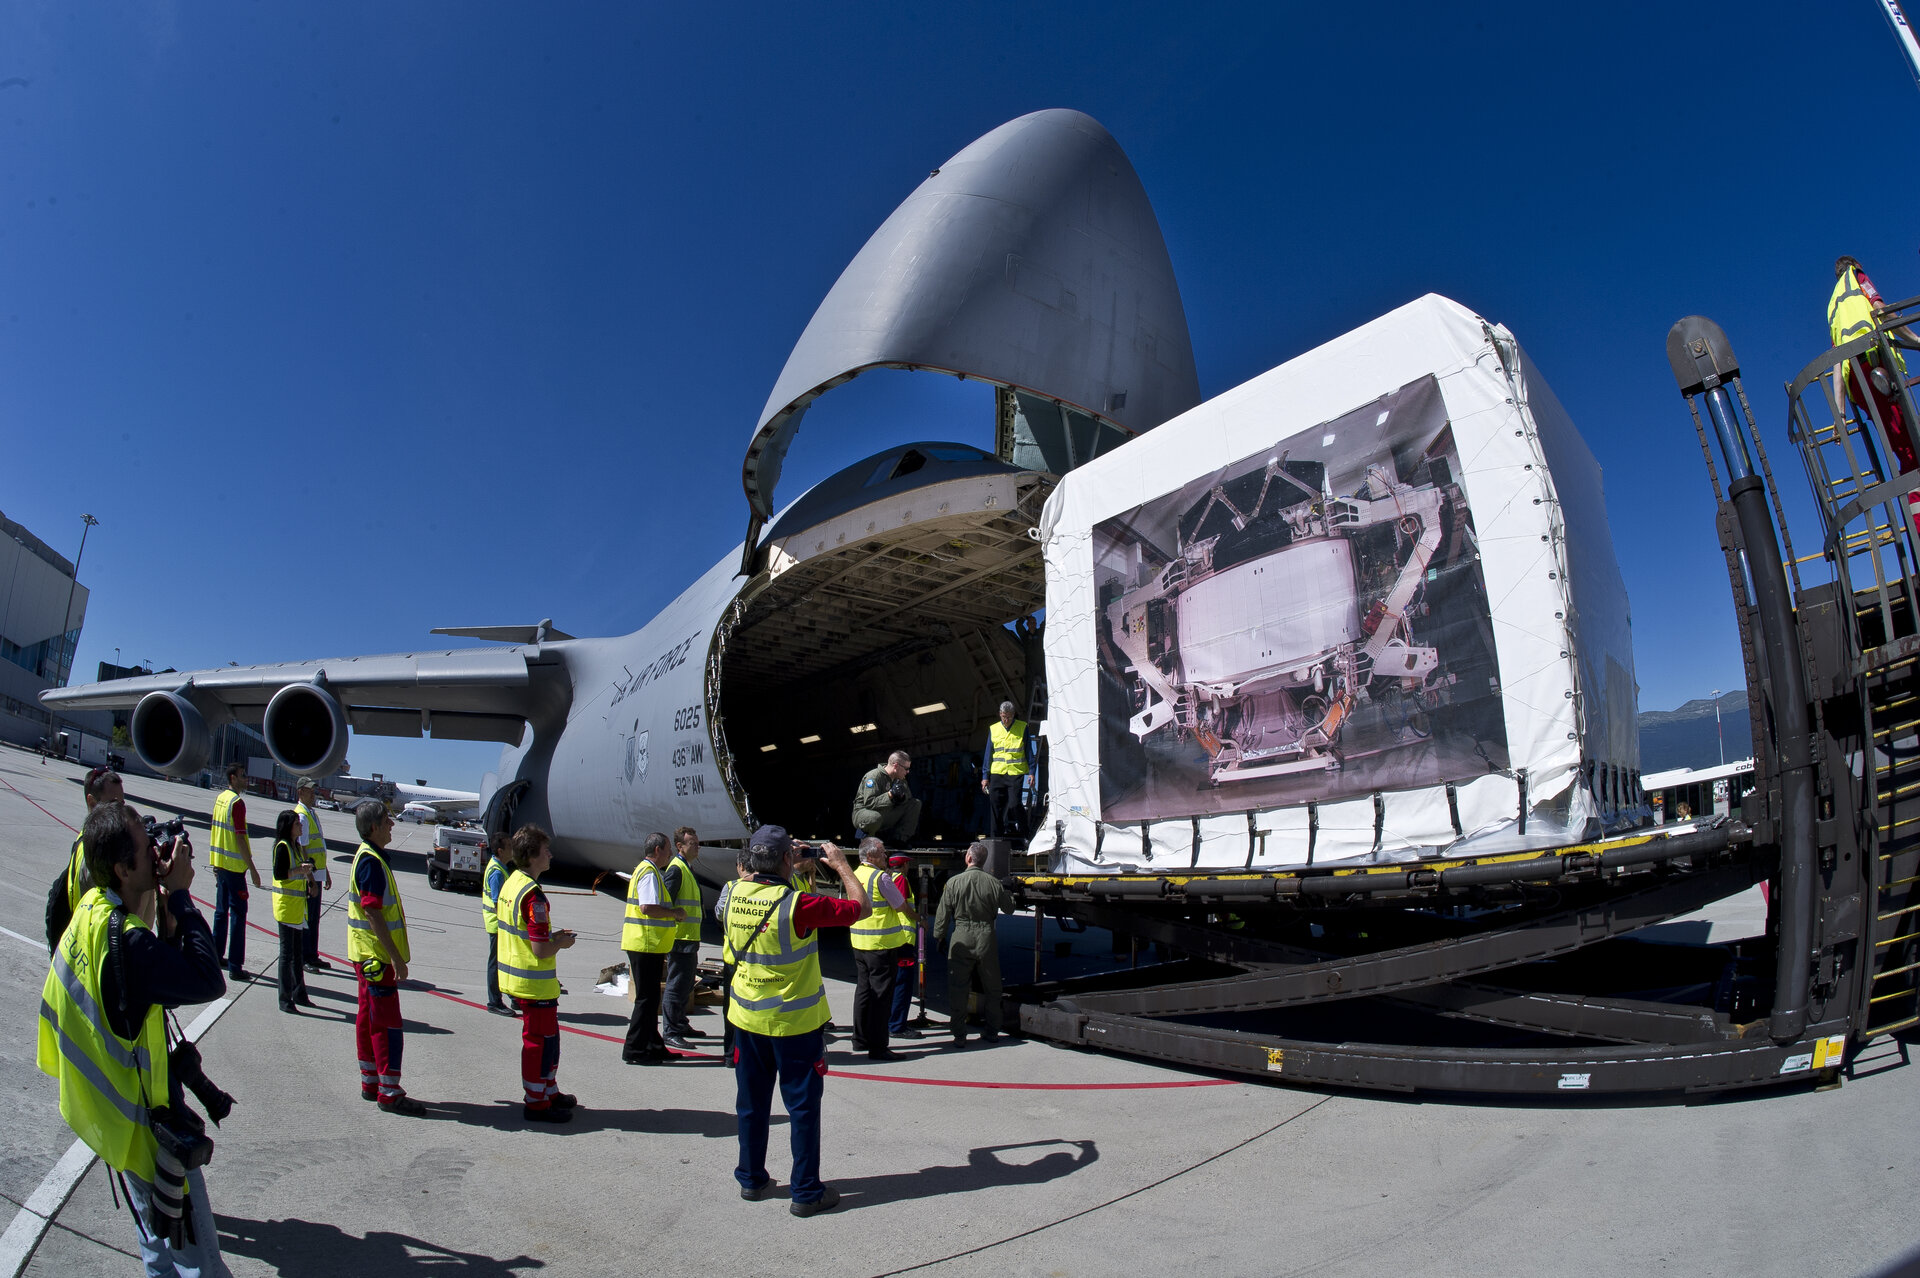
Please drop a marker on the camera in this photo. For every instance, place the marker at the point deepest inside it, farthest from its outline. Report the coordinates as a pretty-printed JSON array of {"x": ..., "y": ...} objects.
[
  {"x": 160, "y": 833},
  {"x": 899, "y": 791},
  {"x": 182, "y": 1138},
  {"x": 184, "y": 1062},
  {"x": 807, "y": 851}
]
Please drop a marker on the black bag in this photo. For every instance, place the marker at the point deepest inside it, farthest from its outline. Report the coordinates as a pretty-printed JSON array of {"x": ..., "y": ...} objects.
[{"x": 59, "y": 911}]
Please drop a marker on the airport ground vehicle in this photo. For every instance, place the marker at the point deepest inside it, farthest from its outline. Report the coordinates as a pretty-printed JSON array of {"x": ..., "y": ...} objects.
[{"x": 458, "y": 858}]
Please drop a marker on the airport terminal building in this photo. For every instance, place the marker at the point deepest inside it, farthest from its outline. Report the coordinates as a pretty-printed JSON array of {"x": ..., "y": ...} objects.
[{"x": 42, "y": 609}]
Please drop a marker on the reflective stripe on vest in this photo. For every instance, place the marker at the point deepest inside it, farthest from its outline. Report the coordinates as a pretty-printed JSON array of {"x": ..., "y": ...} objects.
[
  {"x": 522, "y": 974},
  {"x": 316, "y": 845},
  {"x": 687, "y": 897},
  {"x": 489, "y": 899},
  {"x": 361, "y": 942},
  {"x": 776, "y": 988},
  {"x": 78, "y": 880},
  {"x": 106, "y": 1082},
  {"x": 639, "y": 933},
  {"x": 289, "y": 895},
  {"x": 1009, "y": 748},
  {"x": 886, "y": 927},
  {"x": 228, "y": 845}
]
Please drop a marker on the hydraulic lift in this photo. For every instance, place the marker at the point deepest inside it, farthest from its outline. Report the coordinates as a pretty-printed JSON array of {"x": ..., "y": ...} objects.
[{"x": 1513, "y": 974}]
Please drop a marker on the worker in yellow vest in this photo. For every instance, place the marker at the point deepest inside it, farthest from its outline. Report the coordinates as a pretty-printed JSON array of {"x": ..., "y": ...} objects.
[
  {"x": 683, "y": 960},
  {"x": 778, "y": 1007},
  {"x": 377, "y": 947},
  {"x": 492, "y": 879},
  {"x": 231, "y": 857},
  {"x": 291, "y": 874},
  {"x": 1871, "y": 381},
  {"x": 101, "y": 1031},
  {"x": 879, "y": 940},
  {"x": 1005, "y": 767},
  {"x": 314, "y": 844},
  {"x": 102, "y": 786},
  {"x": 647, "y": 935},
  {"x": 529, "y": 970}
]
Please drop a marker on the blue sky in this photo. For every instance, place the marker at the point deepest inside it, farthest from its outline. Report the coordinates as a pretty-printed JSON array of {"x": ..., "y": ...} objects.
[{"x": 354, "y": 320}]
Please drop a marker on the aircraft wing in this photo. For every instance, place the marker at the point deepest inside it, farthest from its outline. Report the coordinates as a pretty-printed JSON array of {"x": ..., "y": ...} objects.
[{"x": 472, "y": 694}]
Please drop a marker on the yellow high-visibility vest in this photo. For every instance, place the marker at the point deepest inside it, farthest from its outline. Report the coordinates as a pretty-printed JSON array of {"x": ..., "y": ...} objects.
[
  {"x": 522, "y": 974},
  {"x": 107, "y": 1083},
  {"x": 884, "y": 929},
  {"x": 639, "y": 933},
  {"x": 687, "y": 897},
  {"x": 289, "y": 895},
  {"x": 489, "y": 898},
  {"x": 1009, "y": 748},
  {"x": 776, "y": 988},
  {"x": 78, "y": 879},
  {"x": 229, "y": 850},
  {"x": 316, "y": 845},
  {"x": 361, "y": 942}
]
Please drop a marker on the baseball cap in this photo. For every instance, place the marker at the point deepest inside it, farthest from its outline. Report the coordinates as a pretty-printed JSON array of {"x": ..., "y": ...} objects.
[
  {"x": 772, "y": 837},
  {"x": 304, "y": 783}
]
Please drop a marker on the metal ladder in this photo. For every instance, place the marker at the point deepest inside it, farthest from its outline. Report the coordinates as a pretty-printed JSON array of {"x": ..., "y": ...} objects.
[{"x": 1873, "y": 550}]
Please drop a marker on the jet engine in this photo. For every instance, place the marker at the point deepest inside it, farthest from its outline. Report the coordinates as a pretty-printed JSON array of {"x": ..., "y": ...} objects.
[
  {"x": 170, "y": 734},
  {"x": 306, "y": 730}
]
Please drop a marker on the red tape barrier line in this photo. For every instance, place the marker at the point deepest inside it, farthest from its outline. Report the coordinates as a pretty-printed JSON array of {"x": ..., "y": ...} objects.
[{"x": 425, "y": 988}]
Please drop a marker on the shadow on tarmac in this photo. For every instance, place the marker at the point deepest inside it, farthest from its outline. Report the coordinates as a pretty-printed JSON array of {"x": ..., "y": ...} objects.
[
  {"x": 984, "y": 1169},
  {"x": 305, "y": 1249},
  {"x": 714, "y": 1124}
]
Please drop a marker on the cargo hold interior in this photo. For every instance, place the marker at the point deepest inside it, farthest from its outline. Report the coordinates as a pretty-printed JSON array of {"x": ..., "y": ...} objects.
[{"x": 902, "y": 640}]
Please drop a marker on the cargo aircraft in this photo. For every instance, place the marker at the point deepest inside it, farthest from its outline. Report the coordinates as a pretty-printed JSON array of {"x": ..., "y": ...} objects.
[{"x": 892, "y": 605}]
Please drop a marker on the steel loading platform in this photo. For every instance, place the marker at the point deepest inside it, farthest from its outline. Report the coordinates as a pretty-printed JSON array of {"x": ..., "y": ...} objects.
[{"x": 1510, "y": 974}]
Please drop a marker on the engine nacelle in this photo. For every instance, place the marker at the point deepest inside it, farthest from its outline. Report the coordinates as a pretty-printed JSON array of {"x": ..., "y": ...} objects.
[
  {"x": 306, "y": 730},
  {"x": 170, "y": 734}
]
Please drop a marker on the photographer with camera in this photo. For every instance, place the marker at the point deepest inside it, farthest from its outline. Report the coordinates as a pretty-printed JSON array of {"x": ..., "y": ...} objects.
[
  {"x": 63, "y": 898},
  {"x": 778, "y": 1006},
  {"x": 102, "y": 1034},
  {"x": 883, "y": 807}
]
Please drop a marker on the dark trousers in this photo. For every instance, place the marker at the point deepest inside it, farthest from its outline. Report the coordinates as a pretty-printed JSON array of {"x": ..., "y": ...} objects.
[
  {"x": 643, "y": 1031},
  {"x": 230, "y": 919},
  {"x": 903, "y": 984},
  {"x": 726, "y": 1021},
  {"x": 873, "y": 976},
  {"x": 493, "y": 970},
  {"x": 683, "y": 963},
  {"x": 293, "y": 977},
  {"x": 310, "y": 943},
  {"x": 1003, "y": 797},
  {"x": 974, "y": 950},
  {"x": 799, "y": 1063}
]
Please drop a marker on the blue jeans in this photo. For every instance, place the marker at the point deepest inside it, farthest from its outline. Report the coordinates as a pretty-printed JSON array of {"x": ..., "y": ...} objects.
[
  {"x": 230, "y": 919},
  {"x": 799, "y": 1062},
  {"x": 199, "y": 1258},
  {"x": 903, "y": 986}
]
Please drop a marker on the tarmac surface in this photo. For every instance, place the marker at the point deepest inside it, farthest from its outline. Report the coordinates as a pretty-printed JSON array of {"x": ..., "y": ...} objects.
[{"x": 1024, "y": 1158}]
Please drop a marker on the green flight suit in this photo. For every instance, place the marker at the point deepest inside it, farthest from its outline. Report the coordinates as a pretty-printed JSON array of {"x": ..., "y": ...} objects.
[
  {"x": 970, "y": 901},
  {"x": 878, "y": 814}
]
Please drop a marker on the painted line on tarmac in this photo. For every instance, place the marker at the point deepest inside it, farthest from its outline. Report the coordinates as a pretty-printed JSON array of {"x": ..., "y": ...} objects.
[
  {"x": 30, "y": 1223},
  {"x": 709, "y": 1056},
  {"x": 38, "y": 945}
]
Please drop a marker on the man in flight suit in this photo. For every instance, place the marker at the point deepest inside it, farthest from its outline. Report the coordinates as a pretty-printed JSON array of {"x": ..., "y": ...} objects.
[
  {"x": 883, "y": 807},
  {"x": 970, "y": 901}
]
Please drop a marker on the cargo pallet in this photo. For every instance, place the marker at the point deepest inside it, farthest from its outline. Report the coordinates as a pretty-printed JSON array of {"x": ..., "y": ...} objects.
[{"x": 1508, "y": 975}]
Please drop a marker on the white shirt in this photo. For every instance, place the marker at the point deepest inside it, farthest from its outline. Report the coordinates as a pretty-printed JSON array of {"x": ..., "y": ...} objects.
[
  {"x": 890, "y": 889},
  {"x": 648, "y": 893}
]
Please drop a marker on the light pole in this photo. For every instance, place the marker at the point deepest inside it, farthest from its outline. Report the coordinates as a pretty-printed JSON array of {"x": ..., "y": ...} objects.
[
  {"x": 66, "y": 621},
  {"x": 1716, "y": 728}
]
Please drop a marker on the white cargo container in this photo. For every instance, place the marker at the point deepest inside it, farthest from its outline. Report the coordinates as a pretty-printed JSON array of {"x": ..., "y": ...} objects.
[{"x": 1362, "y": 607}]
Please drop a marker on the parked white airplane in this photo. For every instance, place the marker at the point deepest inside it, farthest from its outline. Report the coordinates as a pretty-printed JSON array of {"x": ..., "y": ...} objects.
[{"x": 872, "y": 614}]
